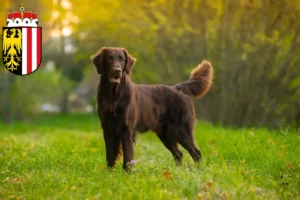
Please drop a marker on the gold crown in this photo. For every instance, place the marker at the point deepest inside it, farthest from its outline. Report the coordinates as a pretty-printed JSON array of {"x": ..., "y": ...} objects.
[{"x": 22, "y": 17}]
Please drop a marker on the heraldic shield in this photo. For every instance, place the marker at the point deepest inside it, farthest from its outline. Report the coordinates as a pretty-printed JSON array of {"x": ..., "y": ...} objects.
[{"x": 22, "y": 49}]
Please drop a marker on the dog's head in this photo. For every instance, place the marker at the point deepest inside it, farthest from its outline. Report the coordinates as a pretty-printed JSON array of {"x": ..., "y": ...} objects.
[{"x": 113, "y": 63}]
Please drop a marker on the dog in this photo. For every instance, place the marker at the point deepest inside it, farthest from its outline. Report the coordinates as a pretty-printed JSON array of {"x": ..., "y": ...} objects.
[{"x": 125, "y": 108}]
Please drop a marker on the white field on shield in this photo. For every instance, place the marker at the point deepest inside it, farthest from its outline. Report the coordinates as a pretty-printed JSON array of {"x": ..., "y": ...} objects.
[{"x": 24, "y": 50}]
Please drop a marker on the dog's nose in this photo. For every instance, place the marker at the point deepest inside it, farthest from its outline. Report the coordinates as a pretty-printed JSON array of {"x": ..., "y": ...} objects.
[{"x": 118, "y": 70}]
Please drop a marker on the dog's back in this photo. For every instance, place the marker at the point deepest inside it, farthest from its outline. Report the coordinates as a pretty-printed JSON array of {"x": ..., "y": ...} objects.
[{"x": 161, "y": 107}]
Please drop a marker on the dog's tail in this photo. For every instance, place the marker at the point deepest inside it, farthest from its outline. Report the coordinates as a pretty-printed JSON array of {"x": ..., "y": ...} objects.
[{"x": 199, "y": 81}]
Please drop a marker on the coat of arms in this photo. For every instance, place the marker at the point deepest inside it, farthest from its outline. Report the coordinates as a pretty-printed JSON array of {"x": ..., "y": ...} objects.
[{"x": 22, "y": 42}]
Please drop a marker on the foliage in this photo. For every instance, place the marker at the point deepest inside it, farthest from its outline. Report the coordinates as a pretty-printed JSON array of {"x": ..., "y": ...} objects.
[
  {"x": 64, "y": 158},
  {"x": 253, "y": 46},
  {"x": 45, "y": 87}
]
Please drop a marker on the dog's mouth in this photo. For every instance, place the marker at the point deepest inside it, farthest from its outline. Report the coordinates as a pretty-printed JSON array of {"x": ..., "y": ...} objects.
[{"x": 115, "y": 79}]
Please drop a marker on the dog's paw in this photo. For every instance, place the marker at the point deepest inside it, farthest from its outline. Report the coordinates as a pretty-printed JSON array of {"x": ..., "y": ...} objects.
[
  {"x": 130, "y": 163},
  {"x": 129, "y": 166}
]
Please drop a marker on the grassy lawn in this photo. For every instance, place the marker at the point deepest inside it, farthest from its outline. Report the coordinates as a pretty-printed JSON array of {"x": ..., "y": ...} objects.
[{"x": 58, "y": 157}]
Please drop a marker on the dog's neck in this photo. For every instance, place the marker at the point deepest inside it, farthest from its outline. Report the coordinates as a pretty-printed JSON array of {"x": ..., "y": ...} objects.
[{"x": 111, "y": 91}]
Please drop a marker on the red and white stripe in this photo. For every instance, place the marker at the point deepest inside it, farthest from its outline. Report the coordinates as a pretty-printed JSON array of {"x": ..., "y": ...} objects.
[{"x": 31, "y": 49}]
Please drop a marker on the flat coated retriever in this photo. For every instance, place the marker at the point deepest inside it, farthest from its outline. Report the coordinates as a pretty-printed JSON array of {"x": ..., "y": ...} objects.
[{"x": 125, "y": 108}]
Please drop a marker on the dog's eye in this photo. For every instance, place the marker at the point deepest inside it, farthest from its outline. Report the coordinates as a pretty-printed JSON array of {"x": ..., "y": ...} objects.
[
  {"x": 121, "y": 59},
  {"x": 110, "y": 59}
]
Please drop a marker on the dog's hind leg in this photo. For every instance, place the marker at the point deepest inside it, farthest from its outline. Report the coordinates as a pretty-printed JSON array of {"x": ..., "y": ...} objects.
[
  {"x": 187, "y": 141},
  {"x": 172, "y": 146}
]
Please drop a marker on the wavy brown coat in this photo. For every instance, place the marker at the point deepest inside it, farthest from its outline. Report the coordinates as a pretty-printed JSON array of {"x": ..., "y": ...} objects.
[{"x": 125, "y": 108}]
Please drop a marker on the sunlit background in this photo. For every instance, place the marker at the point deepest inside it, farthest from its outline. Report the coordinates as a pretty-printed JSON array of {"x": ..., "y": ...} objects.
[{"x": 254, "y": 46}]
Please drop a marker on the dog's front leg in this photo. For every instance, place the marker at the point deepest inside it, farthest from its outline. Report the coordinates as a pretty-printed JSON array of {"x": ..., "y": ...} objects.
[
  {"x": 128, "y": 153},
  {"x": 112, "y": 144}
]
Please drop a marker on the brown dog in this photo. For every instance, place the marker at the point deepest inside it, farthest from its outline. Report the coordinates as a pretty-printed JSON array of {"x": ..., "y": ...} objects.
[{"x": 125, "y": 108}]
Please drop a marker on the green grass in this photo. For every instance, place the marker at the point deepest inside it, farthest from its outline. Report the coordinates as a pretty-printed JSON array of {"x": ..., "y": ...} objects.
[{"x": 57, "y": 157}]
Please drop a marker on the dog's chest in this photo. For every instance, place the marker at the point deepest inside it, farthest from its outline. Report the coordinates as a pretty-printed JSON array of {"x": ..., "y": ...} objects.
[{"x": 111, "y": 111}]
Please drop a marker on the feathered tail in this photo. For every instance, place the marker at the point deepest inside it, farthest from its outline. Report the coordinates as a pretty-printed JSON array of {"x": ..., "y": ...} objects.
[{"x": 199, "y": 81}]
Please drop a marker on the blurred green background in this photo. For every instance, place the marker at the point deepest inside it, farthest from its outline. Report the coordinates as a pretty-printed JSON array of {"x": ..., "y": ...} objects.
[{"x": 254, "y": 46}]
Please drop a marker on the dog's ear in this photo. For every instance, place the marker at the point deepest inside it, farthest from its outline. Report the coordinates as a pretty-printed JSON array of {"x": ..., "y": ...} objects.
[
  {"x": 129, "y": 62},
  {"x": 97, "y": 59}
]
